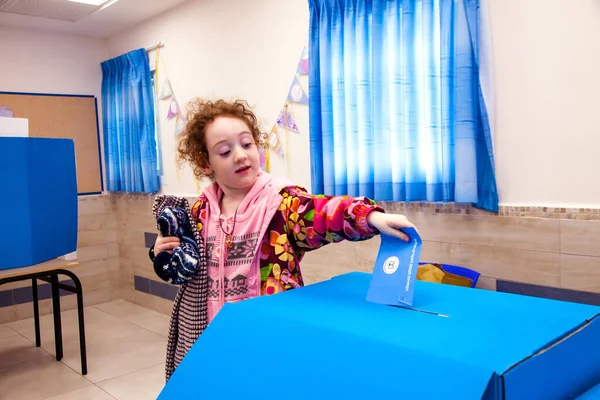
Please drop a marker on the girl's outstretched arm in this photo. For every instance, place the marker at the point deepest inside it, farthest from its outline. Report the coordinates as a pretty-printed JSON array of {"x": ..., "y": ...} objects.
[{"x": 313, "y": 221}]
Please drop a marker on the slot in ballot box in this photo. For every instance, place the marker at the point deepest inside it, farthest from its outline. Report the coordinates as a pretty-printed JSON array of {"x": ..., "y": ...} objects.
[
  {"x": 324, "y": 341},
  {"x": 38, "y": 199}
]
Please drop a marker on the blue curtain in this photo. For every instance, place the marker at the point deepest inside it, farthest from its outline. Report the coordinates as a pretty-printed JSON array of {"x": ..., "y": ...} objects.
[
  {"x": 128, "y": 120},
  {"x": 396, "y": 106}
]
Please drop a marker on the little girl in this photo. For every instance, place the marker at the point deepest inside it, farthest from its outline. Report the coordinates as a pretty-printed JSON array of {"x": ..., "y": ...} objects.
[{"x": 252, "y": 229}]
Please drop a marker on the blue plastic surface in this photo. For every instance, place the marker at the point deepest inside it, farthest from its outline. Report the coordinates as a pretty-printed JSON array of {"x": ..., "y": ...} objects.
[
  {"x": 38, "y": 199},
  {"x": 563, "y": 373},
  {"x": 325, "y": 341},
  {"x": 592, "y": 394}
]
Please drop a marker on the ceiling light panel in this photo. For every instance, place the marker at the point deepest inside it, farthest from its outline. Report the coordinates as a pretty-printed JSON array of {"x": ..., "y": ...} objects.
[{"x": 63, "y": 10}]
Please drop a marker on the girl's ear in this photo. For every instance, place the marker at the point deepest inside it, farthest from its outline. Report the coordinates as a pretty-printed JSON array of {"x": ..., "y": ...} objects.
[
  {"x": 207, "y": 171},
  {"x": 205, "y": 165}
]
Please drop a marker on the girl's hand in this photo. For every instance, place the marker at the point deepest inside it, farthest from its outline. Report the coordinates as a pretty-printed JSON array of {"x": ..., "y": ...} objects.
[
  {"x": 390, "y": 224},
  {"x": 166, "y": 244}
]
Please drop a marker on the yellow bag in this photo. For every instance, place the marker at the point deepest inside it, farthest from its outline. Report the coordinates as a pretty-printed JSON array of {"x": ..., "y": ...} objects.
[{"x": 436, "y": 273}]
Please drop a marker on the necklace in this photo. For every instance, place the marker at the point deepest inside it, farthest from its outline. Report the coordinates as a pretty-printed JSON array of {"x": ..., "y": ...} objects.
[{"x": 228, "y": 235}]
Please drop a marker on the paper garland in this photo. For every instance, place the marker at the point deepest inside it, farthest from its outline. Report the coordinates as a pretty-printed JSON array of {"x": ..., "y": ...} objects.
[
  {"x": 303, "y": 63},
  {"x": 296, "y": 93},
  {"x": 274, "y": 142},
  {"x": 286, "y": 120},
  {"x": 167, "y": 90},
  {"x": 173, "y": 108}
]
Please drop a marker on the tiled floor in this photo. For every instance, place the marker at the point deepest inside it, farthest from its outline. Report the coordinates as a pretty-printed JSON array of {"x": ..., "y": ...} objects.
[{"x": 125, "y": 349}]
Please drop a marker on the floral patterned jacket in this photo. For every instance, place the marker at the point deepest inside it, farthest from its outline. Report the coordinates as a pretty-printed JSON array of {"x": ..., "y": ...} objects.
[{"x": 302, "y": 222}]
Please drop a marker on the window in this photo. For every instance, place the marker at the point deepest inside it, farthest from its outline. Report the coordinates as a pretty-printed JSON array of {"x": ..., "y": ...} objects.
[{"x": 396, "y": 107}]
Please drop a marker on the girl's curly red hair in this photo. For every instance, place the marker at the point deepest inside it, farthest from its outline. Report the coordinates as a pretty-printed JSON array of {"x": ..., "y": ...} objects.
[{"x": 200, "y": 114}]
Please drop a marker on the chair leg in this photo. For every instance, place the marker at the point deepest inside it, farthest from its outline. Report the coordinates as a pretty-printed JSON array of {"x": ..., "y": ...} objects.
[
  {"x": 57, "y": 319},
  {"x": 81, "y": 326},
  {"x": 36, "y": 312}
]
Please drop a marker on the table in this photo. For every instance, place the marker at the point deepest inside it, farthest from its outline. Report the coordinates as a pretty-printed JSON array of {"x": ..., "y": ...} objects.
[{"x": 48, "y": 272}]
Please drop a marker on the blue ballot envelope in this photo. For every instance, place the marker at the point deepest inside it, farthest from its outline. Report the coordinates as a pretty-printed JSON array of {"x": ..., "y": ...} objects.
[{"x": 395, "y": 270}]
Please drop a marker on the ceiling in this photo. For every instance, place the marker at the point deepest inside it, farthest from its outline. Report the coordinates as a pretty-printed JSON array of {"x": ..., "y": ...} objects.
[{"x": 82, "y": 19}]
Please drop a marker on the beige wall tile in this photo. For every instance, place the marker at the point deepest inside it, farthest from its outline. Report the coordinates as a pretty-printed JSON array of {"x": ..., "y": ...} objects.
[
  {"x": 113, "y": 249},
  {"x": 513, "y": 233},
  {"x": 366, "y": 250},
  {"x": 580, "y": 237},
  {"x": 145, "y": 300},
  {"x": 94, "y": 297},
  {"x": 25, "y": 310},
  {"x": 92, "y": 222},
  {"x": 486, "y": 283},
  {"x": 91, "y": 253},
  {"x": 112, "y": 222},
  {"x": 164, "y": 306},
  {"x": 112, "y": 235},
  {"x": 430, "y": 226},
  {"x": 95, "y": 282},
  {"x": 127, "y": 294},
  {"x": 90, "y": 205},
  {"x": 91, "y": 238},
  {"x": 580, "y": 273},
  {"x": 18, "y": 284},
  {"x": 90, "y": 268},
  {"x": 7, "y": 315},
  {"x": 114, "y": 264},
  {"x": 517, "y": 265},
  {"x": 431, "y": 252}
]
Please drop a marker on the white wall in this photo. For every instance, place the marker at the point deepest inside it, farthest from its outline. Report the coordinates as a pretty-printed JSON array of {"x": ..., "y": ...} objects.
[
  {"x": 42, "y": 62},
  {"x": 546, "y": 59},
  {"x": 230, "y": 49},
  {"x": 547, "y": 85}
]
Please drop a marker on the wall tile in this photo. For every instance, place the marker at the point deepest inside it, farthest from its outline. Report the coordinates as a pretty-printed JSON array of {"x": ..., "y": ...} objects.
[
  {"x": 91, "y": 238},
  {"x": 513, "y": 233},
  {"x": 580, "y": 272},
  {"x": 580, "y": 237},
  {"x": 91, "y": 253},
  {"x": 91, "y": 205},
  {"x": 92, "y": 222},
  {"x": 509, "y": 264}
]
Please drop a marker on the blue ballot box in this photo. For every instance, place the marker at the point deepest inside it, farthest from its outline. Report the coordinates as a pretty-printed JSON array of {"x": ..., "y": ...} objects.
[
  {"x": 325, "y": 341},
  {"x": 38, "y": 200},
  {"x": 592, "y": 394}
]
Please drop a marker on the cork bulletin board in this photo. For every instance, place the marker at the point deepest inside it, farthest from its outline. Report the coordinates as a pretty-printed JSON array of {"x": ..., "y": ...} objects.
[{"x": 64, "y": 116}]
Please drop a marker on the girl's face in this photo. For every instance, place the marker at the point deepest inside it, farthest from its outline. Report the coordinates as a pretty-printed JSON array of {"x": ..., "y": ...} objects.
[{"x": 232, "y": 154}]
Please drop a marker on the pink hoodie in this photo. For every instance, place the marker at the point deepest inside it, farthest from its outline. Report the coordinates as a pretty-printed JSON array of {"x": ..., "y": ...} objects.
[{"x": 234, "y": 273}]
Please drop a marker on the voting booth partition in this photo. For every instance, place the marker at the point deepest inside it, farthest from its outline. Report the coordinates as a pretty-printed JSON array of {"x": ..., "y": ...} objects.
[{"x": 38, "y": 199}]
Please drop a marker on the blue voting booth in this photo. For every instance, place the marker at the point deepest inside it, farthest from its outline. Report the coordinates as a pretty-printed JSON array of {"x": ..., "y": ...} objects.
[
  {"x": 38, "y": 200},
  {"x": 324, "y": 341}
]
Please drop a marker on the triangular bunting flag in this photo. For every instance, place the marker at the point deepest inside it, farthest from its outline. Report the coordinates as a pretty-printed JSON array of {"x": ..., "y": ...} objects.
[
  {"x": 179, "y": 124},
  {"x": 263, "y": 153},
  {"x": 285, "y": 119},
  {"x": 173, "y": 108},
  {"x": 296, "y": 93},
  {"x": 167, "y": 90},
  {"x": 303, "y": 64},
  {"x": 274, "y": 142}
]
